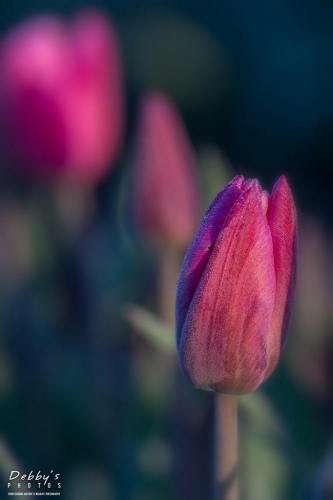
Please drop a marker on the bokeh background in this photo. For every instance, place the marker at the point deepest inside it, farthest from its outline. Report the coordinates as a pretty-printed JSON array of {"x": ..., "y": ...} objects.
[{"x": 89, "y": 387}]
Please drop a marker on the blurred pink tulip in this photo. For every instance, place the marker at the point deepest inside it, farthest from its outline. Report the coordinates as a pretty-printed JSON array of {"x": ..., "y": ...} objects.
[
  {"x": 166, "y": 192},
  {"x": 236, "y": 288},
  {"x": 61, "y": 98}
]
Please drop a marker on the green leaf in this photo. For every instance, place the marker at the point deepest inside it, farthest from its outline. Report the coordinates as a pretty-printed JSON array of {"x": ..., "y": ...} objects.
[{"x": 153, "y": 328}]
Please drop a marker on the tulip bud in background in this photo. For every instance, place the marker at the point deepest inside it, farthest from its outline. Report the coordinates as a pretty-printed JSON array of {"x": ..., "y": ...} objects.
[
  {"x": 166, "y": 193},
  {"x": 236, "y": 288},
  {"x": 61, "y": 98},
  {"x": 166, "y": 207}
]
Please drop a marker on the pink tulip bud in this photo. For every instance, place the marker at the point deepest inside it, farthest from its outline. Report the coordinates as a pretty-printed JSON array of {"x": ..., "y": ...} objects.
[
  {"x": 166, "y": 193},
  {"x": 61, "y": 97},
  {"x": 236, "y": 288}
]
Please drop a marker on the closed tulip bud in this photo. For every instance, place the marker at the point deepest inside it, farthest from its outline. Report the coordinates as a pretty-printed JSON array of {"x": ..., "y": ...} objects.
[
  {"x": 236, "y": 288},
  {"x": 166, "y": 193},
  {"x": 61, "y": 98}
]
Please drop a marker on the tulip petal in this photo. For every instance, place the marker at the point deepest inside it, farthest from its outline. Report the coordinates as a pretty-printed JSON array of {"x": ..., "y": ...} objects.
[
  {"x": 166, "y": 194},
  {"x": 199, "y": 252},
  {"x": 223, "y": 340},
  {"x": 61, "y": 98},
  {"x": 281, "y": 218}
]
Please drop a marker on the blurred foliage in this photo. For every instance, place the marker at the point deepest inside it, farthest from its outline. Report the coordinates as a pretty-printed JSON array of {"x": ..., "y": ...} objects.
[{"x": 156, "y": 332}]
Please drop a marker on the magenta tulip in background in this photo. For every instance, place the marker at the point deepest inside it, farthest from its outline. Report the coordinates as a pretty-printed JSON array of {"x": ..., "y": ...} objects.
[
  {"x": 62, "y": 98},
  {"x": 166, "y": 192},
  {"x": 236, "y": 288}
]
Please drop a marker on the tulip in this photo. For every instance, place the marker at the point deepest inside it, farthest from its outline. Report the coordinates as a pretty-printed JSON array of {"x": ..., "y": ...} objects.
[
  {"x": 61, "y": 98},
  {"x": 165, "y": 193},
  {"x": 236, "y": 288}
]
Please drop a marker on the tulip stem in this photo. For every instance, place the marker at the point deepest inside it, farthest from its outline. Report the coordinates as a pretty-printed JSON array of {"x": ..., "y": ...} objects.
[
  {"x": 226, "y": 443},
  {"x": 169, "y": 267}
]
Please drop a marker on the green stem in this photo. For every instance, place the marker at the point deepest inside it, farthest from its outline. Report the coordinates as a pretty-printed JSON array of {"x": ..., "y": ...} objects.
[
  {"x": 226, "y": 443},
  {"x": 169, "y": 268}
]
